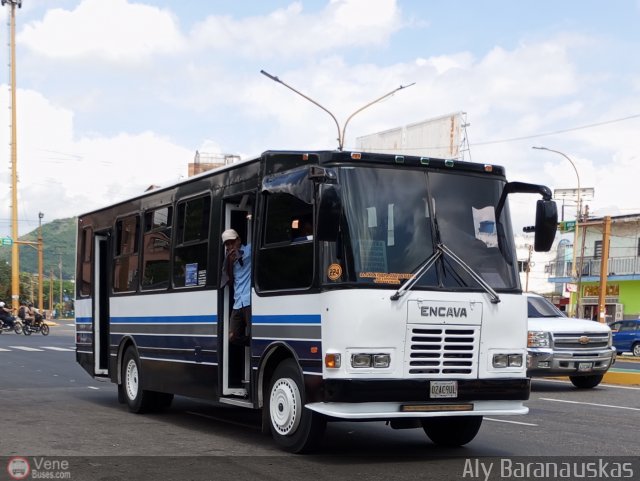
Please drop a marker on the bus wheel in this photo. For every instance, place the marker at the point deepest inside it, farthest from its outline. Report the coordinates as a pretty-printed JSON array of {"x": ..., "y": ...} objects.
[
  {"x": 136, "y": 398},
  {"x": 293, "y": 427},
  {"x": 452, "y": 431}
]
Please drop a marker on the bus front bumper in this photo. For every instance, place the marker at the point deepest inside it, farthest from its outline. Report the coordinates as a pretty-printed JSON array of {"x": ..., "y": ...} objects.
[{"x": 391, "y": 410}]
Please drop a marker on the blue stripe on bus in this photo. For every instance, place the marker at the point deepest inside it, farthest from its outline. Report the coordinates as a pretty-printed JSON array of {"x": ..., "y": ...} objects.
[
  {"x": 286, "y": 319},
  {"x": 208, "y": 319},
  {"x": 84, "y": 320}
]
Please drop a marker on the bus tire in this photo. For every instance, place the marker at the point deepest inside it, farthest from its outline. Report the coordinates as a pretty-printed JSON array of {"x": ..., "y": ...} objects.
[
  {"x": 452, "y": 431},
  {"x": 586, "y": 382},
  {"x": 137, "y": 399},
  {"x": 293, "y": 427}
]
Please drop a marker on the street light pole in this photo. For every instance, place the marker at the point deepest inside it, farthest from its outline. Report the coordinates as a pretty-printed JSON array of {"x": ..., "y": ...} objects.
[
  {"x": 344, "y": 127},
  {"x": 576, "y": 273}
]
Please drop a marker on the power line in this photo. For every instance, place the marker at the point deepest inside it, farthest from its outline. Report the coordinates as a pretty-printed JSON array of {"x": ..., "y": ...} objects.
[{"x": 555, "y": 132}]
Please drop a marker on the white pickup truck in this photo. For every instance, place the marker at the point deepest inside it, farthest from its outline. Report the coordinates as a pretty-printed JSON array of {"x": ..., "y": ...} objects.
[{"x": 563, "y": 346}]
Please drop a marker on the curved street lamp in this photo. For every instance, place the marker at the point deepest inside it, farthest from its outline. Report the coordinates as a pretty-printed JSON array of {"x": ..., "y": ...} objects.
[
  {"x": 344, "y": 127},
  {"x": 577, "y": 273}
]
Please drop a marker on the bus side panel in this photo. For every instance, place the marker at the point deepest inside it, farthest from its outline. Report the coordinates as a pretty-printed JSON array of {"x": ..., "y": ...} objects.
[
  {"x": 175, "y": 335},
  {"x": 297, "y": 326},
  {"x": 84, "y": 335}
]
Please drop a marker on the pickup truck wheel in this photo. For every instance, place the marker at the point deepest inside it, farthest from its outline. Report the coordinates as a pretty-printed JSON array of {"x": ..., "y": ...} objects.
[
  {"x": 636, "y": 349},
  {"x": 452, "y": 431},
  {"x": 585, "y": 382}
]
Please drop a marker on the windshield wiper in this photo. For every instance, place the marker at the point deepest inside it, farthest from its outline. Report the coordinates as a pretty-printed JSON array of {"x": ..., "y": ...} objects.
[
  {"x": 476, "y": 277},
  {"x": 414, "y": 278}
]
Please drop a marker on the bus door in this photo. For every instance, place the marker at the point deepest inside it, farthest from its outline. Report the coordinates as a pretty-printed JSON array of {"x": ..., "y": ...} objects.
[
  {"x": 236, "y": 365},
  {"x": 101, "y": 305}
]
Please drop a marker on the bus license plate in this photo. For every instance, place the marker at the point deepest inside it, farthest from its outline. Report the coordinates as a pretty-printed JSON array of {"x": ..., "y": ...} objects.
[
  {"x": 443, "y": 389},
  {"x": 585, "y": 366}
]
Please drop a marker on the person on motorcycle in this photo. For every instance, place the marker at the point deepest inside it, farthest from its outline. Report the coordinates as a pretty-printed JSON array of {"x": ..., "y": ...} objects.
[
  {"x": 25, "y": 312},
  {"x": 6, "y": 317}
]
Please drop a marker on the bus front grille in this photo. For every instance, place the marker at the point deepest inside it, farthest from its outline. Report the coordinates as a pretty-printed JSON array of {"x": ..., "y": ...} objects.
[{"x": 442, "y": 351}]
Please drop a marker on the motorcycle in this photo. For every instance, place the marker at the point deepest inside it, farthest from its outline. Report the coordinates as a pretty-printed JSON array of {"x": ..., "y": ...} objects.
[
  {"x": 36, "y": 326},
  {"x": 15, "y": 325}
]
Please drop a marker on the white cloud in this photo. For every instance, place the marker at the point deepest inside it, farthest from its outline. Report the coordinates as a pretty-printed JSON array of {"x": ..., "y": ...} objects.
[
  {"x": 65, "y": 176},
  {"x": 116, "y": 31},
  {"x": 291, "y": 32}
]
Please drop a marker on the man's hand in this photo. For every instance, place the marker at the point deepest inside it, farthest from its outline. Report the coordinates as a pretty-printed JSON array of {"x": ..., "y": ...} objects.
[{"x": 232, "y": 254}]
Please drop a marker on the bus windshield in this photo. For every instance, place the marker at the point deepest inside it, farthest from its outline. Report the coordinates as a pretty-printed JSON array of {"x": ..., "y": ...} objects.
[{"x": 394, "y": 219}]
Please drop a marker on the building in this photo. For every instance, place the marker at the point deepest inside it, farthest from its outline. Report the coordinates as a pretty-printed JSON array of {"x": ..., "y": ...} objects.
[
  {"x": 623, "y": 268},
  {"x": 206, "y": 161}
]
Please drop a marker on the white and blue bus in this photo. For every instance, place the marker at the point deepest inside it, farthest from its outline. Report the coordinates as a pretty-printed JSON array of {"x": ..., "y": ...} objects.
[{"x": 404, "y": 305}]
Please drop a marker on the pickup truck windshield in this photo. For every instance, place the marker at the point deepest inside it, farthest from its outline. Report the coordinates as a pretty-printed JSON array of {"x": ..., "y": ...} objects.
[
  {"x": 541, "y": 307},
  {"x": 393, "y": 219}
]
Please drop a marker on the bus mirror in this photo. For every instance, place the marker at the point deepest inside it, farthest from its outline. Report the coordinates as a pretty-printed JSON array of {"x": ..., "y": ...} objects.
[
  {"x": 546, "y": 225},
  {"x": 329, "y": 214}
]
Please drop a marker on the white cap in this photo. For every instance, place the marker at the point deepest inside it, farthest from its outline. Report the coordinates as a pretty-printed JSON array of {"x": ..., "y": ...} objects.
[
  {"x": 1, "y": 304},
  {"x": 229, "y": 234}
]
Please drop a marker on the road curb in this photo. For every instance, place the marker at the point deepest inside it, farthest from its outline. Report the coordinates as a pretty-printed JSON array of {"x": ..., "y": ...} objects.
[{"x": 619, "y": 377}]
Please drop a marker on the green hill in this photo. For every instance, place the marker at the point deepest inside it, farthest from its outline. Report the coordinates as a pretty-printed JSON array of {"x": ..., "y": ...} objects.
[{"x": 59, "y": 239}]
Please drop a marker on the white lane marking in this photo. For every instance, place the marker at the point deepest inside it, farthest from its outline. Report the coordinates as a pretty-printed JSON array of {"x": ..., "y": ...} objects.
[
  {"x": 53, "y": 348},
  {"x": 4, "y": 350},
  {"x": 510, "y": 422},
  {"x": 588, "y": 404},
  {"x": 25, "y": 348},
  {"x": 93, "y": 387}
]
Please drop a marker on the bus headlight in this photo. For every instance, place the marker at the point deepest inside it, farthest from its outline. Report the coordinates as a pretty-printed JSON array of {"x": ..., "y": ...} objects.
[
  {"x": 507, "y": 360},
  {"x": 515, "y": 360},
  {"x": 538, "y": 339},
  {"x": 360, "y": 360},
  {"x": 381, "y": 360},
  {"x": 366, "y": 360}
]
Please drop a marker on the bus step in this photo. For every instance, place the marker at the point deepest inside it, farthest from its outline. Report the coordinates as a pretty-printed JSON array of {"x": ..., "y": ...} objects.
[{"x": 236, "y": 402}]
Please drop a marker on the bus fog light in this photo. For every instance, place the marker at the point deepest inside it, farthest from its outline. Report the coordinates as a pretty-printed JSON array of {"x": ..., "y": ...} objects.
[
  {"x": 360, "y": 360},
  {"x": 381, "y": 360},
  {"x": 332, "y": 360},
  {"x": 500, "y": 360},
  {"x": 515, "y": 360}
]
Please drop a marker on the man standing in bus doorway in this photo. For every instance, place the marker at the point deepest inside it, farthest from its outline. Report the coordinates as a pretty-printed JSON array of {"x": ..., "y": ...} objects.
[{"x": 237, "y": 272}]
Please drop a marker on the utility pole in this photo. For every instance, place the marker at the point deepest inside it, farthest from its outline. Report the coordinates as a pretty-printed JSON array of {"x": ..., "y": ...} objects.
[
  {"x": 604, "y": 271},
  {"x": 40, "y": 264},
  {"x": 51, "y": 292},
  {"x": 15, "y": 252},
  {"x": 60, "y": 266}
]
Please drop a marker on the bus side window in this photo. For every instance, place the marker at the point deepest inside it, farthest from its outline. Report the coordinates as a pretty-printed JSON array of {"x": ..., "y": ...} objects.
[
  {"x": 156, "y": 248},
  {"x": 125, "y": 262},
  {"x": 285, "y": 260},
  {"x": 190, "y": 255},
  {"x": 85, "y": 259}
]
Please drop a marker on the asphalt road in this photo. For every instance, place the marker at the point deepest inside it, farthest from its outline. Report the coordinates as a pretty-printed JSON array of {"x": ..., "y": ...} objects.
[{"x": 53, "y": 411}]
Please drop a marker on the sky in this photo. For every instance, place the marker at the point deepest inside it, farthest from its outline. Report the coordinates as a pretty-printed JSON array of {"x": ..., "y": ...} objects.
[{"x": 116, "y": 95}]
